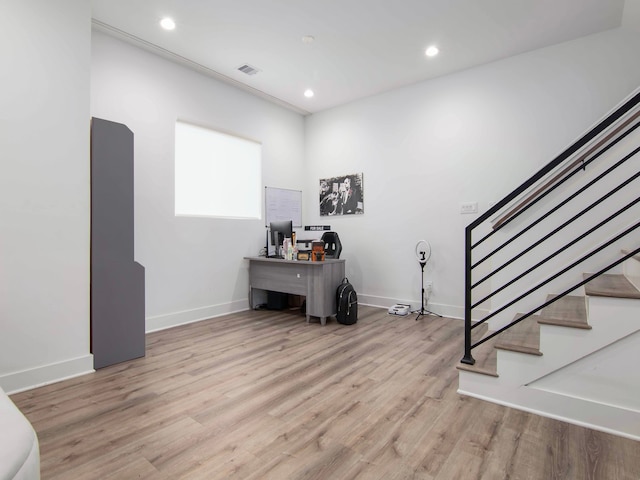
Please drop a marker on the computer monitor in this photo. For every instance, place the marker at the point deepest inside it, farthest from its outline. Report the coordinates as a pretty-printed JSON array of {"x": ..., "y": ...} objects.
[{"x": 280, "y": 230}]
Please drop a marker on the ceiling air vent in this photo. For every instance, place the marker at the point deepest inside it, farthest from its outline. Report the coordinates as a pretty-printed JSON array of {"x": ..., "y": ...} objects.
[{"x": 248, "y": 69}]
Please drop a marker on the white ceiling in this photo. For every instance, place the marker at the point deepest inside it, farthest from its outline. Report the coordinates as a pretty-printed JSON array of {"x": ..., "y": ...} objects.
[{"x": 361, "y": 47}]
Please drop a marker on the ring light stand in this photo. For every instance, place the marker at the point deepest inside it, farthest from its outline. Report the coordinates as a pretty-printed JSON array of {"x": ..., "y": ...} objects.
[{"x": 423, "y": 253}]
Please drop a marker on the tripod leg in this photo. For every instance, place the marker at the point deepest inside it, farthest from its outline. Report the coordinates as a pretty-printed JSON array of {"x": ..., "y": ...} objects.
[{"x": 424, "y": 312}]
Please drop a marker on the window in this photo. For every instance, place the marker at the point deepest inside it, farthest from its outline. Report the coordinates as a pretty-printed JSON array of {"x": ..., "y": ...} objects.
[{"x": 216, "y": 174}]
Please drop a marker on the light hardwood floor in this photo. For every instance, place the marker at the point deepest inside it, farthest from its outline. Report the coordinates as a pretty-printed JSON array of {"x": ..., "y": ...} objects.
[{"x": 263, "y": 395}]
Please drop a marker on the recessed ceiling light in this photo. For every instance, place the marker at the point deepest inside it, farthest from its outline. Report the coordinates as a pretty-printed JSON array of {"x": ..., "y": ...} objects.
[
  {"x": 308, "y": 39},
  {"x": 168, "y": 23},
  {"x": 432, "y": 51},
  {"x": 308, "y": 93}
]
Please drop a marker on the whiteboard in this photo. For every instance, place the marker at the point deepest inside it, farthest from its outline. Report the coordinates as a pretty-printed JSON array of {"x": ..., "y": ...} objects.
[{"x": 283, "y": 204}]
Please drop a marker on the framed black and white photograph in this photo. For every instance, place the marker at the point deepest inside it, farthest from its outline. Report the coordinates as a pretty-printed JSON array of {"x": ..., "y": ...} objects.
[{"x": 342, "y": 195}]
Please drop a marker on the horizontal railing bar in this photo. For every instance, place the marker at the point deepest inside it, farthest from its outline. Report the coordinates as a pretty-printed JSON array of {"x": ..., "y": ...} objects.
[
  {"x": 560, "y": 227},
  {"x": 567, "y": 153},
  {"x": 584, "y": 164},
  {"x": 556, "y": 275},
  {"x": 560, "y": 250},
  {"x": 556, "y": 298},
  {"x": 516, "y": 236},
  {"x": 558, "y": 206},
  {"x": 531, "y": 198},
  {"x": 580, "y": 164}
]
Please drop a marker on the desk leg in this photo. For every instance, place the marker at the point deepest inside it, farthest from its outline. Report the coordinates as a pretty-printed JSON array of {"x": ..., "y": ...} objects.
[{"x": 308, "y": 317}]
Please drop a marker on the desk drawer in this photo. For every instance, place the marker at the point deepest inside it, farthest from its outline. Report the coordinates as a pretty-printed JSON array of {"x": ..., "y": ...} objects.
[{"x": 280, "y": 277}]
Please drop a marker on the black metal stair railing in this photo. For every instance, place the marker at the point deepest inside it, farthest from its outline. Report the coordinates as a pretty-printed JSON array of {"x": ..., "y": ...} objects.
[{"x": 556, "y": 223}]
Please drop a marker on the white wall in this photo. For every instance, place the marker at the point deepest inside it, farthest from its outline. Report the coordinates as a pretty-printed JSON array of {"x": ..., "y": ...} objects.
[
  {"x": 470, "y": 136},
  {"x": 631, "y": 15},
  {"x": 194, "y": 266},
  {"x": 44, "y": 191}
]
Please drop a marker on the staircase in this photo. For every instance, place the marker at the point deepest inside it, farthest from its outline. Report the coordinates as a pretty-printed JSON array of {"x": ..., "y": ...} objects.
[
  {"x": 575, "y": 361},
  {"x": 552, "y": 300}
]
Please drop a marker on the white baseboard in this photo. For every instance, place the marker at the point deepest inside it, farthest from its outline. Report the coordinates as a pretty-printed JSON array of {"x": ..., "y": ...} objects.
[
  {"x": 449, "y": 311},
  {"x": 56, "y": 372},
  {"x": 46, "y": 374},
  {"x": 577, "y": 411},
  {"x": 162, "y": 322}
]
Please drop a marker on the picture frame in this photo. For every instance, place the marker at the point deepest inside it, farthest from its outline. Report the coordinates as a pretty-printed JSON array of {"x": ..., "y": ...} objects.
[{"x": 343, "y": 195}]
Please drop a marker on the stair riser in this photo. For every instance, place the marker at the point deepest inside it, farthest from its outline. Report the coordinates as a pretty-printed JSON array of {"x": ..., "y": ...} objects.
[
  {"x": 610, "y": 319},
  {"x": 631, "y": 268},
  {"x": 609, "y": 312},
  {"x": 558, "y": 285}
]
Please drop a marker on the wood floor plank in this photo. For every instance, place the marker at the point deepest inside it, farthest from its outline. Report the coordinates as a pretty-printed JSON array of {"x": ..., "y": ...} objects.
[{"x": 263, "y": 395}]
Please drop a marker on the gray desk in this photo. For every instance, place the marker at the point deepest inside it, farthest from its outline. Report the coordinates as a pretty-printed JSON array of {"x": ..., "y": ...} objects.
[{"x": 318, "y": 281}]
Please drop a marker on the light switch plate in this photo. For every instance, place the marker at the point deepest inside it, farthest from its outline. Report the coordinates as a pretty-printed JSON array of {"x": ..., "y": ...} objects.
[{"x": 469, "y": 207}]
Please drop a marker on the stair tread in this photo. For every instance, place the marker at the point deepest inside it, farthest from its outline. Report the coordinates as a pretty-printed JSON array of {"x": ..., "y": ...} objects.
[
  {"x": 569, "y": 311},
  {"x": 611, "y": 285},
  {"x": 486, "y": 359},
  {"x": 523, "y": 337}
]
